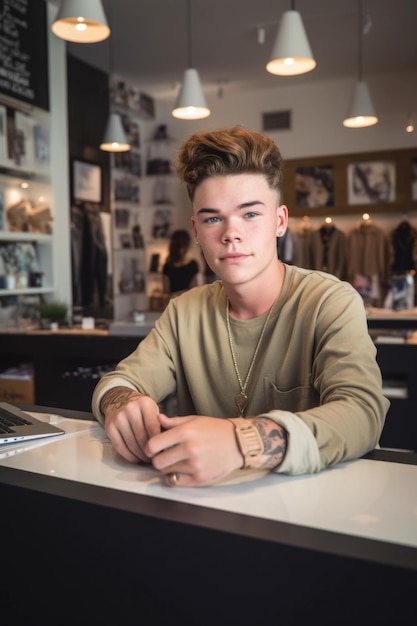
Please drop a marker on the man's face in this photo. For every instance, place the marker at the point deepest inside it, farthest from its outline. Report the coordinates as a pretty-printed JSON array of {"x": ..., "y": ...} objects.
[{"x": 236, "y": 221}]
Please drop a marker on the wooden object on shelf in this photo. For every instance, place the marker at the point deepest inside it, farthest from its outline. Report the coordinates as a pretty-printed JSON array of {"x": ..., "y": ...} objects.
[
  {"x": 40, "y": 219},
  {"x": 18, "y": 216}
]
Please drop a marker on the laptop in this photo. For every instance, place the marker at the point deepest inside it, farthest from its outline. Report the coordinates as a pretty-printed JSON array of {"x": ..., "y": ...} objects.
[{"x": 17, "y": 425}]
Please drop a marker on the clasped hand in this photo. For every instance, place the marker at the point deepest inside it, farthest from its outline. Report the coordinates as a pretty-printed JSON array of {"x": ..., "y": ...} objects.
[{"x": 201, "y": 450}]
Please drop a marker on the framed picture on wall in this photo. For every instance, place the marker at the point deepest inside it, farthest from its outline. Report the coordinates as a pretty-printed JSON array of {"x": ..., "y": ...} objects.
[
  {"x": 381, "y": 182},
  {"x": 314, "y": 186},
  {"x": 371, "y": 182},
  {"x": 87, "y": 181}
]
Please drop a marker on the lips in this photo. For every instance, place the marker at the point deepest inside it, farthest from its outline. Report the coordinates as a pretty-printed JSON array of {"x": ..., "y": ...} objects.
[{"x": 234, "y": 257}]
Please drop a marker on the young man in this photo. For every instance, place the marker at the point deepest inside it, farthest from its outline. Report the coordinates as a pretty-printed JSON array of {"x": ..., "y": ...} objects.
[{"x": 272, "y": 365}]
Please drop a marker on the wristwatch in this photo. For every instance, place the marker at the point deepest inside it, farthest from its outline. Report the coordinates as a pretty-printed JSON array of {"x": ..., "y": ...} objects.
[{"x": 249, "y": 441}]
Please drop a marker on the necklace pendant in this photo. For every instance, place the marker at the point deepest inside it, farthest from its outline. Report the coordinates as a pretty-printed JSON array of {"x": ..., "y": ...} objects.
[{"x": 241, "y": 401}]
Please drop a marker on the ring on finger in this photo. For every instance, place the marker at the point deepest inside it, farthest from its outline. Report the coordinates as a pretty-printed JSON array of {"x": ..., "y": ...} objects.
[{"x": 173, "y": 479}]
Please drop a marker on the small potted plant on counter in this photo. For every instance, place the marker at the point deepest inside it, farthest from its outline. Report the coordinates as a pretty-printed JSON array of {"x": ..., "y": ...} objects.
[{"x": 52, "y": 313}]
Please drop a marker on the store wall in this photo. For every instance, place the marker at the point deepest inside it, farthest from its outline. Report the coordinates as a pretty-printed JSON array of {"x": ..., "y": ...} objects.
[{"x": 317, "y": 111}]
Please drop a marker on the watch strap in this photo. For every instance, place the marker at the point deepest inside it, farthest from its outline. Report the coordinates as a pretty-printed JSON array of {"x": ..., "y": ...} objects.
[{"x": 249, "y": 441}]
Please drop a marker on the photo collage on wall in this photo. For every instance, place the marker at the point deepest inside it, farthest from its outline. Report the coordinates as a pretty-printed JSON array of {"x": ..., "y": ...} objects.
[
  {"x": 127, "y": 170},
  {"x": 128, "y": 238},
  {"x": 159, "y": 167}
]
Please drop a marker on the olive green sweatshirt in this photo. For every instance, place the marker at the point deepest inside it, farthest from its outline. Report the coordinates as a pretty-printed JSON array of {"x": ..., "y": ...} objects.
[{"x": 315, "y": 373}]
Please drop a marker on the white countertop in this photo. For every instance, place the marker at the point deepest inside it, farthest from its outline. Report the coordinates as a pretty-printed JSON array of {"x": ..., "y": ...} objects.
[{"x": 362, "y": 498}]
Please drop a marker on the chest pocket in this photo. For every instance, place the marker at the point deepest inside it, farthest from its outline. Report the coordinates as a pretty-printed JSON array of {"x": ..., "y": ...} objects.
[{"x": 299, "y": 398}]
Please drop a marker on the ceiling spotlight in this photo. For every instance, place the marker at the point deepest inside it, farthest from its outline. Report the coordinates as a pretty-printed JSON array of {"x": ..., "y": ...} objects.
[{"x": 410, "y": 127}]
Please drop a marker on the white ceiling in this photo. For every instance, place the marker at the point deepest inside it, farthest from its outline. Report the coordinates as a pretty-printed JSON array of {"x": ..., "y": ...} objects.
[{"x": 148, "y": 44}]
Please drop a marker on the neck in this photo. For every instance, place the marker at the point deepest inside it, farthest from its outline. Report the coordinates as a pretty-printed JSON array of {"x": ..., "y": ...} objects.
[{"x": 250, "y": 301}]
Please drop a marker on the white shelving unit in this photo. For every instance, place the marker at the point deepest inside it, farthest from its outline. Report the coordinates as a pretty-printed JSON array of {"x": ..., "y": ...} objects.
[
  {"x": 25, "y": 178},
  {"x": 11, "y": 188}
]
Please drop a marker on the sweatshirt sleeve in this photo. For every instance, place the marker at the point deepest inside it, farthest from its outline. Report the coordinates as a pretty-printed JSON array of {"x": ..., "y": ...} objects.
[{"x": 347, "y": 420}]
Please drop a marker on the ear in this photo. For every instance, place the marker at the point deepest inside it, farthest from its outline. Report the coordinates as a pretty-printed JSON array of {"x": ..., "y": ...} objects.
[
  {"x": 194, "y": 227},
  {"x": 282, "y": 220}
]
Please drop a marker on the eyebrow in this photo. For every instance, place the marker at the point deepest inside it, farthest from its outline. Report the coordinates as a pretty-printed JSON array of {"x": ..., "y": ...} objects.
[{"x": 244, "y": 205}]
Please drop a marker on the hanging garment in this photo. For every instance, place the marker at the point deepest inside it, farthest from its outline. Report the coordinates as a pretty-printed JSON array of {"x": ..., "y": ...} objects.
[
  {"x": 368, "y": 257},
  {"x": 301, "y": 238},
  {"x": 88, "y": 255},
  {"x": 403, "y": 248},
  {"x": 94, "y": 257},
  {"x": 327, "y": 250}
]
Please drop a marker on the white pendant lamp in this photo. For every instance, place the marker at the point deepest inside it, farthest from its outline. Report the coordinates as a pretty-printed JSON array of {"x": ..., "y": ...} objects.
[
  {"x": 81, "y": 21},
  {"x": 114, "y": 139},
  {"x": 361, "y": 111},
  {"x": 291, "y": 54},
  {"x": 191, "y": 103}
]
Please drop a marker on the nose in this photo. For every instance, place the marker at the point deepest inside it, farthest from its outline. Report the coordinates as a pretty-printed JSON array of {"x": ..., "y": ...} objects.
[{"x": 231, "y": 232}]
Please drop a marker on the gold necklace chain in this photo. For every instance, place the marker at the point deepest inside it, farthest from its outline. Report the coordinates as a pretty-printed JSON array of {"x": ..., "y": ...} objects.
[{"x": 241, "y": 399}]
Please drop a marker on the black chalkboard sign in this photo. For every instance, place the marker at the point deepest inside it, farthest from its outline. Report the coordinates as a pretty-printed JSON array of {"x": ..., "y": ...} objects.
[{"x": 24, "y": 51}]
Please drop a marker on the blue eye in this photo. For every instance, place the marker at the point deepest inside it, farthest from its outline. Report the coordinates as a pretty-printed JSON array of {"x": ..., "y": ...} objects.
[
  {"x": 251, "y": 214},
  {"x": 211, "y": 220}
]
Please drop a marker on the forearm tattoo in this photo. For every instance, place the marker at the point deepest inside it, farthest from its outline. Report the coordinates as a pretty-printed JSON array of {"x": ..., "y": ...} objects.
[{"x": 274, "y": 438}]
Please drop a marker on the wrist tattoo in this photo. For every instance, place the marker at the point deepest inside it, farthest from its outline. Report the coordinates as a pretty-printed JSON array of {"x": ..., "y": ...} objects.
[{"x": 118, "y": 397}]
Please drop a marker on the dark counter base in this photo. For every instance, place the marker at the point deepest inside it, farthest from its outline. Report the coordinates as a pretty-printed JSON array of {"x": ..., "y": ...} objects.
[
  {"x": 399, "y": 361},
  {"x": 94, "y": 564},
  {"x": 65, "y": 364}
]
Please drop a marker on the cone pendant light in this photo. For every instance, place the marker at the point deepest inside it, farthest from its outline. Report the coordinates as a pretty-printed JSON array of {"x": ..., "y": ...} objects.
[
  {"x": 191, "y": 103},
  {"x": 114, "y": 139},
  {"x": 361, "y": 111},
  {"x": 81, "y": 21},
  {"x": 291, "y": 54}
]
